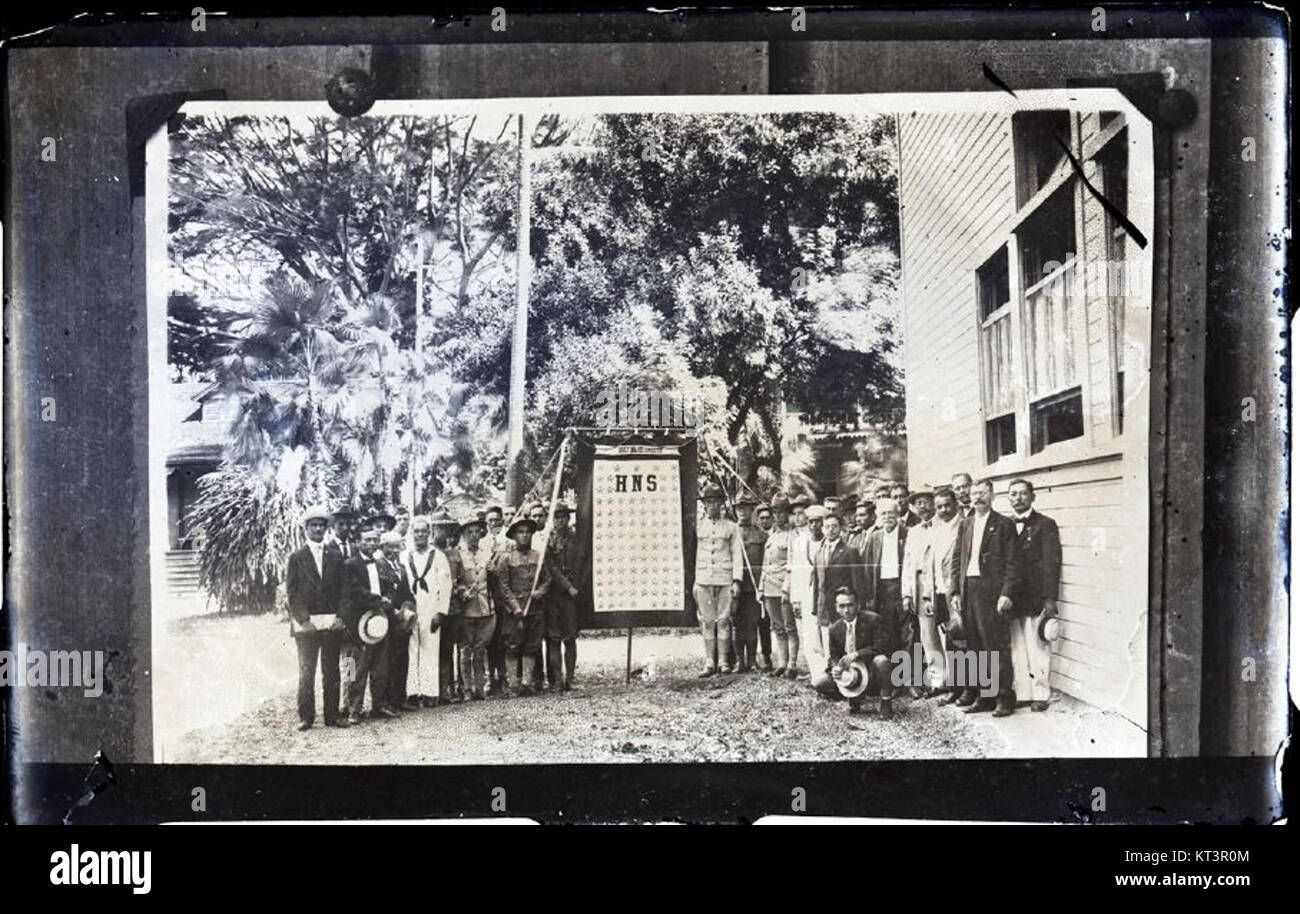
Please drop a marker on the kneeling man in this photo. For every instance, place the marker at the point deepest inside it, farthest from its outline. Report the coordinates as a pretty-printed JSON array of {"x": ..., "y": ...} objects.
[{"x": 862, "y": 636}]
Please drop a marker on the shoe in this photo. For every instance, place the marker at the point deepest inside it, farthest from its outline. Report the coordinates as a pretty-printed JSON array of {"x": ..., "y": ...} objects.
[
  {"x": 728, "y": 669},
  {"x": 384, "y": 713},
  {"x": 984, "y": 704},
  {"x": 967, "y": 698},
  {"x": 916, "y": 692},
  {"x": 476, "y": 695},
  {"x": 353, "y": 719},
  {"x": 427, "y": 702},
  {"x": 1004, "y": 709},
  {"x": 525, "y": 689},
  {"x": 554, "y": 687},
  {"x": 707, "y": 672},
  {"x": 766, "y": 665},
  {"x": 777, "y": 671},
  {"x": 791, "y": 673},
  {"x": 397, "y": 711},
  {"x": 342, "y": 723},
  {"x": 886, "y": 709},
  {"x": 568, "y": 685},
  {"x": 305, "y": 725},
  {"x": 1038, "y": 706},
  {"x": 855, "y": 708},
  {"x": 949, "y": 698},
  {"x": 411, "y": 704}
]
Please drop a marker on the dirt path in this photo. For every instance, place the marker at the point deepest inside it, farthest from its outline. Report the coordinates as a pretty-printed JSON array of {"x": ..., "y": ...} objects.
[{"x": 664, "y": 715}]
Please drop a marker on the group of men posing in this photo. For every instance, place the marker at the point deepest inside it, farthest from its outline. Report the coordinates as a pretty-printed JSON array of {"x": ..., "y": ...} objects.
[
  {"x": 430, "y": 610},
  {"x": 936, "y": 568}
]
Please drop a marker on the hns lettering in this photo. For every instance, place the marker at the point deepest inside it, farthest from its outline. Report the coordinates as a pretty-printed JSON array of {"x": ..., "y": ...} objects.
[
  {"x": 648, "y": 482},
  {"x": 78, "y": 867},
  {"x": 625, "y": 407}
]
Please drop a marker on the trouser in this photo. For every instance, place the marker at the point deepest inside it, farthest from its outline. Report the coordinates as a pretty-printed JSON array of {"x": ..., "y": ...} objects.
[
  {"x": 424, "y": 656},
  {"x": 992, "y": 632},
  {"x": 810, "y": 639},
  {"x": 399, "y": 665},
  {"x": 497, "y": 650},
  {"x": 765, "y": 637},
  {"x": 936, "y": 660},
  {"x": 785, "y": 631},
  {"x": 476, "y": 633},
  {"x": 561, "y": 632},
  {"x": 364, "y": 662},
  {"x": 744, "y": 621},
  {"x": 309, "y": 645},
  {"x": 1033, "y": 655},
  {"x": 713, "y": 603},
  {"x": 880, "y": 682},
  {"x": 448, "y": 680},
  {"x": 523, "y": 637}
]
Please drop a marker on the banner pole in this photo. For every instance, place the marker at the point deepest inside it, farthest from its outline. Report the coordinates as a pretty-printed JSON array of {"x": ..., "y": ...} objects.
[{"x": 628, "y": 681}]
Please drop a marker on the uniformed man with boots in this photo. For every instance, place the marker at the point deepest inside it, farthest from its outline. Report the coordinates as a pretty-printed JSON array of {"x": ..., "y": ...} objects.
[
  {"x": 747, "y": 609},
  {"x": 719, "y": 565},
  {"x": 563, "y": 565},
  {"x": 521, "y": 582}
]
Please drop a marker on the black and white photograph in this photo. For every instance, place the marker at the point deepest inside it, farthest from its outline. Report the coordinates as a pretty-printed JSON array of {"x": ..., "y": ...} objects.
[
  {"x": 648, "y": 416},
  {"x": 861, "y": 381}
]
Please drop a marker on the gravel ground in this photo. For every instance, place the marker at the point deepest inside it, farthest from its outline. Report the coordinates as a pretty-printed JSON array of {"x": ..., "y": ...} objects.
[{"x": 665, "y": 715}]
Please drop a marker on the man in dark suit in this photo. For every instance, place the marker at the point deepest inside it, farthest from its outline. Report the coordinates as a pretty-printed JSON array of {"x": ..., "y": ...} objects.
[
  {"x": 396, "y": 585},
  {"x": 1038, "y": 562},
  {"x": 836, "y": 564},
  {"x": 313, "y": 580},
  {"x": 883, "y": 579},
  {"x": 984, "y": 579},
  {"x": 861, "y": 636},
  {"x": 363, "y": 591}
]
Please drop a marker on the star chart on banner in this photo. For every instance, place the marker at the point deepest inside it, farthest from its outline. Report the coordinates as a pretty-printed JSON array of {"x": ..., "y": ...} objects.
[{"x": 637, "y": 535}]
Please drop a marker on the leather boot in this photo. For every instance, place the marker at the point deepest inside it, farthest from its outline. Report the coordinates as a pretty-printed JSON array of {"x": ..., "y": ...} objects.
[
  {"x": 512, "y": 671},
  {"x": 778, "y": 648},
  {"x": 710, "y": 665},
  {"x": 570, "y": 662},
  {"x": 724, "y": 650},
  {"x": 530, "y": 671},
  {"x": 553, "y": 675}
]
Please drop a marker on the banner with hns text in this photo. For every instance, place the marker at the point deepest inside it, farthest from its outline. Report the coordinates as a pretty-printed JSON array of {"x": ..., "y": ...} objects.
[{"x": 637, "y": 543}]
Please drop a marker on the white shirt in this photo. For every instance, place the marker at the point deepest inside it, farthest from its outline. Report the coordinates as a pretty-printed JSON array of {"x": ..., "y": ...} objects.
[
  {"x": 318, "y": 553},
  {"x": 373, "y": 570},
  {"x": 850, "y": 642},
  {"x": 977, "y": 538},
  {"x": 943, "y": 544},
  {"x": 889, "y": 555}
]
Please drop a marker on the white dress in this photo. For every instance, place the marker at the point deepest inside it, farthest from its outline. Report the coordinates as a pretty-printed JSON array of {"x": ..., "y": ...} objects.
[{"x": 422, "y": 677}]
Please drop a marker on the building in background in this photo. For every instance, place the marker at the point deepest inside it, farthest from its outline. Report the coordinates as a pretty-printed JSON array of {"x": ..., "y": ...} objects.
[{"x": 1026, "y": 339}]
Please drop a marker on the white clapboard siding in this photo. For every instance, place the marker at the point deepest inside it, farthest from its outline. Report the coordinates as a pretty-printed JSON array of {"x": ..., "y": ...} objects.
[{"x": 957, "y": 205}]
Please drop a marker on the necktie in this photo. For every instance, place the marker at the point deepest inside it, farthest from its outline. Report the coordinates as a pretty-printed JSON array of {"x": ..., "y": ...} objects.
[{"x": 418, "y": 580}]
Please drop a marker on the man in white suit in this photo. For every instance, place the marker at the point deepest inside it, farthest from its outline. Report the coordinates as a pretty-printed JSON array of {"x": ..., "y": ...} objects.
[
  {"x": 429, "y": 576},
  {"x": 804, "y": 543}
]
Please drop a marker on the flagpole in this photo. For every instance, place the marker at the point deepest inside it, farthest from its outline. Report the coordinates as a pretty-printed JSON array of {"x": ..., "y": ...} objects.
[{"x": 519, "y": 341}]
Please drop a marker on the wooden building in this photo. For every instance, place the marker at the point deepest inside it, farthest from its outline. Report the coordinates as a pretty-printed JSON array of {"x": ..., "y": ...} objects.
[{"x": 1026, "y": 314}]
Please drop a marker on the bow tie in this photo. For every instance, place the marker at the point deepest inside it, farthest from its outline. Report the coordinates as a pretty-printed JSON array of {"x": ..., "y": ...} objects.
[{"x": 369, "y": 561}]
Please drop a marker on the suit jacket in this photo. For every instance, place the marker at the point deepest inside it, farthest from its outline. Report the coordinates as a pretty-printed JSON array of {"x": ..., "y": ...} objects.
[
  {"x": 997, "y": 563},
  {"x": 842, "y": 567},
  {"x": 871, "y": 637},
  {"x": 890, "y": 615},
  {"x": 311, "y": 591},
  {"x": 356, "y": 599},
  {"x": 1037, "y": 553}
]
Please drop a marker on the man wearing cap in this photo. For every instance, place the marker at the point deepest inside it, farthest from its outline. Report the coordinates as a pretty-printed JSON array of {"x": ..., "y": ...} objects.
[
  {"x": 478, "y": 619},
  {"x": 363, "y": 592},
  {"x": 745, "y": 615},
  {"x": 499, "y": 544},
  {"x": 916, "y": 554},
  {"x": 561, "y": 609},
  {"x": 402, "y": 618},
  {"x": 1037, "y": 560},
  {"x": 860, "y": 636},
  {"x": 984, "y": 578},
  {"x": 520, "y": 581},
  {"x": 804, "y": 545},
  {"x": 429, "y": 574},
  {"x": 719, "y": 566},
  {"x": 313, "y": 580},
  {"x": 774, "y": 585}
]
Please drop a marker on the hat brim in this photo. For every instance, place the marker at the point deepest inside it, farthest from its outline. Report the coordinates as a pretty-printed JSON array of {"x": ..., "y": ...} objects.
[
  {"x": 372, "y": 627},
  {"x": 858, "y": 686}
]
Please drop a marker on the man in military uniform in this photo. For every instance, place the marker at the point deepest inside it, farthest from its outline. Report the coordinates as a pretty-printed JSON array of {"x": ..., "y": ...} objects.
[
  {"x": 763, "y": 517},
  {"x": 774, "y": 588},
  {"x": 719, "y": 566},
  {"x": 521, "y": 582},
  {"x": 478, "y": 620},
  {"x": 563, "y": 564},
  {"x": 747, "y": 609}
]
